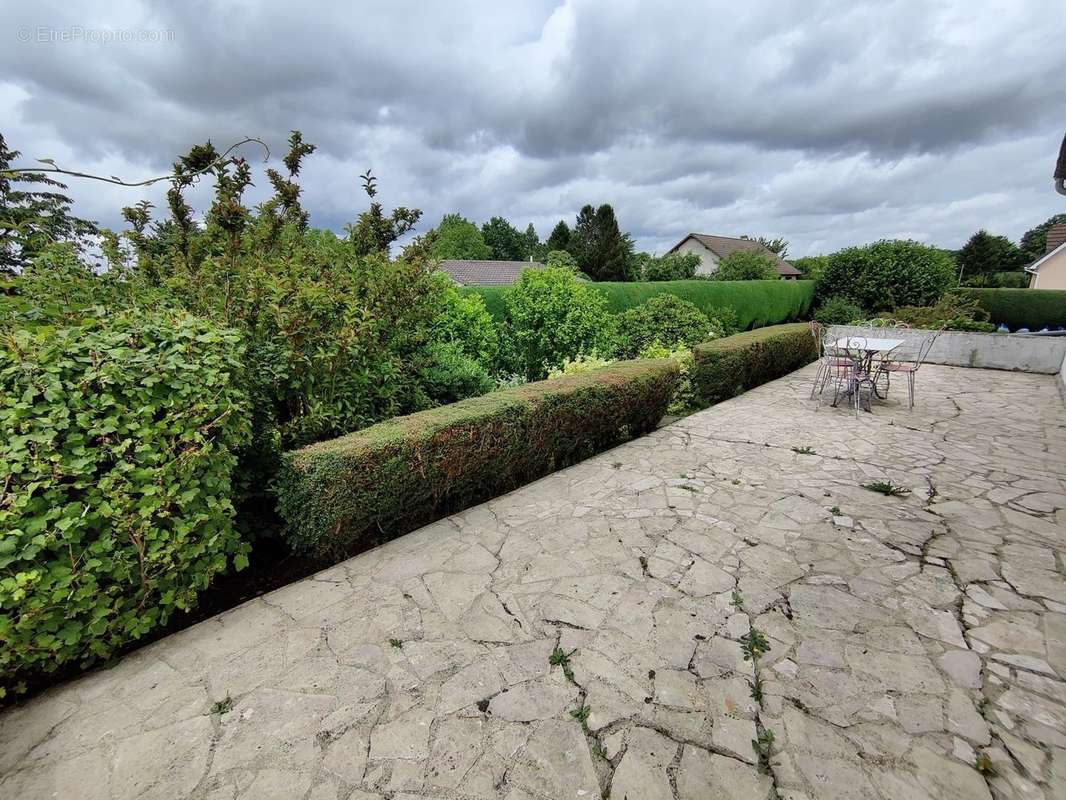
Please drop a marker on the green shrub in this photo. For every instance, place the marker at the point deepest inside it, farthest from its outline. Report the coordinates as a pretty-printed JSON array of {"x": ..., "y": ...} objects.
[
  {"x": 755, "y": 303},
  {"x": 956, "y": 311},
  {"x": 1016, "y": 279},
  {"x": 551, "y": 316},
  {"x": 837, "y": 311},
  {"x": 562, "y": 260},
  {"x": 887, "y": 274},
  {"x": 684, "y": 400},
  {"x": 462, "y": 319},
  {"x": 1023, "y": 308},
  {"x": 727, "y": 367},
  {"x": 578, "y": 365},
  {"x": 746, "y": 265},
  {"x": 666, "y": 319},
  {"x": 118, "y": 455},
  {"x": 391, "y": 477},
  {"x": 671, "y": 267},
  {"x": 449, "y": 374}
]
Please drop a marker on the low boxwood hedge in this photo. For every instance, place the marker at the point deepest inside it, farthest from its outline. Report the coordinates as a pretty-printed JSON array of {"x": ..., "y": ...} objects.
[
  {"x": 730, "y": 366},
  {"x": 384, "y": 480},
  {"x": 1023, "y": 308},
  {"x": 756, "y": 303}
]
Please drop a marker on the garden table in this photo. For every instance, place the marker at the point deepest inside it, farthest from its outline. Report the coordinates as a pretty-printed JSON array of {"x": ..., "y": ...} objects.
[{"x": 869, "y": 346}]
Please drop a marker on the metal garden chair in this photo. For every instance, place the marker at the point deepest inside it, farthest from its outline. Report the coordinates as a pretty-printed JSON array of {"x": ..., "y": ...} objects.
[{"x": 893, "y": 364}]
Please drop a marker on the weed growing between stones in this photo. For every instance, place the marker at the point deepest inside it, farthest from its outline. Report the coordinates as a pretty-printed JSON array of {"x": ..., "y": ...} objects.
[
  {"x": 887, "y": 489},
  {"x": 223, "y": 706},
  {"x": 804, "y": 451}
]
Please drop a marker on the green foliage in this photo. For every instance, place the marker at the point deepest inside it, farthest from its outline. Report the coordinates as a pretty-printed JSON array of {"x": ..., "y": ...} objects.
[
  {"x": 374, "y": 231},
  {"x": 118, "y": 453},
  {"x": 887, "y": 274},
  {"x": 746, "y": 265},
  {"x": 457, "y": 237},
  {"x": 505, "y": 241},
  {"x": 551, "y": 316},
  {"x": 1019, "y": 279},
  {"x": 754, "y": 644},
  {"x": 398, "y": 474},
  {"x": 449, "y": 374},
  {"x": 560, "y": 237},
  {"x": 665, "y": 319},
  {"x": 778, "y": 245},
  {"x": 886, "y": 488},
  {"x": 985, "y": 254},
  {"x": 582, "y": 363},
  {"x": 560, "y": 259},
  {"x": 727, "y": 367},
  {"x": 463, "y": 319},
  {"x": 810, "y": 266},
  {"x": 684, "y": 400},
  {"x": 34, "y": 217},
  {"x": 671, "y": 267},
  {"x": 1034, "y": 241},
  {"x": 955, "y": 311},
  {"x": 601, "y": 250},
  {"x": 1022, "y": 308},
  {"x": 837, "y": 311}
]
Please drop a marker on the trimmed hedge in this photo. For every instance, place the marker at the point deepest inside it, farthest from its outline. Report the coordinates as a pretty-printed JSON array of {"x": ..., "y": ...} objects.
[
  {"x": 728, "y": 367},
  {"x": 757, "y": 303},
  {"x": 1023, "y": 308},
  {"x": 393, "y": 476}
]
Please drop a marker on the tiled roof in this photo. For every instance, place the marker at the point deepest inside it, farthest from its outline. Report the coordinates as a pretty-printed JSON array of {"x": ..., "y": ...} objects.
[
  {"x": 486, "y": 273},
  {"x": 722, "y": 246},
  {"x": 1056, "y": 235}
]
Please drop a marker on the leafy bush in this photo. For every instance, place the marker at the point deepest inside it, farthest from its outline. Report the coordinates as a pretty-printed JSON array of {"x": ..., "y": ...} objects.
[
  {"x": 746, "y": 265},
  {"x": 956, "y": 311},
  {"x": 396, "y": 475},
  {"x": 754, "y": 303},
  {"x": 562, "y": 260},
  {"x": 578, "y": 365},
  {"x": 118, "y": 455},
  {"x": 671, "y": 267},
  {"x": 449, "y": 374},
  {"x": 810, "y": 266},
  {"x": 837, "y": 311},
  {"x": 887, "y": 274},
  {"x": 551, "y": 316},
  {"x": 999, "y": 280},
  {"x": 727, "y": 367},
  {"x": 666, "y": 319},
  {"x": 1023, "y": 308},
  {"x": 684, "y": 399},
  {"x": 462, "y": 319}
]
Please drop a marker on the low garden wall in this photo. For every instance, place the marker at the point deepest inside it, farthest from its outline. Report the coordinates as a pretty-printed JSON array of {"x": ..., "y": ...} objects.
[
  {"x": 385, "y": 480},
  {"x": 1010, "y": 351}
]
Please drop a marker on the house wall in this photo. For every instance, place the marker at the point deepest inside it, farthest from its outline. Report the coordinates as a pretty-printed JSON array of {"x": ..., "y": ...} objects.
[
  {"x": 1052, "y": 273},
  {"x": 708, "y": 260}
]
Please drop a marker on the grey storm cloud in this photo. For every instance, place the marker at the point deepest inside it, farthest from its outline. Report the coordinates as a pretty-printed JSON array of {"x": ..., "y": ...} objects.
[{"x": 828, "y": 123}]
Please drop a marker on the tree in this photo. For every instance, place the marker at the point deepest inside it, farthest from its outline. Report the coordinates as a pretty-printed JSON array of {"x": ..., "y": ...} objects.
[
  {"x": 778, "y": 245},
  {"x": 560, "y": 259},
  {"x": 457, "y": 237},
  {"x": 746, "y": 265},
  {"x": 601, "y": 250},
  {"x": 560, "y": 237},
  {"x": 671, "y": 267},
  {"x": 373, "y": 232},
  {"x": 532, "y": 245},
  {"x": 887, "y": 274},
  {"x": 810, "y": 266},
  {"x": 984, "y": 254},
  {"x": 35, "y": 217},
  {"x": 1034, "y": 240},
  {"x": 504, "y": 240}
]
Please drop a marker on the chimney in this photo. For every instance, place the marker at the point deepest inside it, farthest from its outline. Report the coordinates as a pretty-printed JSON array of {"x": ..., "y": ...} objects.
[{"x": 1056, "y": 235}]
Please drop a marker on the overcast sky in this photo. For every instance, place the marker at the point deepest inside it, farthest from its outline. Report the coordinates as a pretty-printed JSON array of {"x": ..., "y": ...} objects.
[{"x": 827, "y": 123}]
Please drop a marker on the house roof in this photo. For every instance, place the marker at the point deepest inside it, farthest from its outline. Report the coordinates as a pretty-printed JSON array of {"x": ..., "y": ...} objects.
[
  {"x": 722, "y": 246},
  {"x": 1051, "y": 249},
  {"x": 486, "y": 273}
]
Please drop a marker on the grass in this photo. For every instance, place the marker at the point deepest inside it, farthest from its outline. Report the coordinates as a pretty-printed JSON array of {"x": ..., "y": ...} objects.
[
  {"x": 887, "y": 489},
  {"x": 223, "y": 706},
  {"x": 984, "y": 765},
  {"x": 804, "y": 451},
  {"x": 395, "y": 642}
]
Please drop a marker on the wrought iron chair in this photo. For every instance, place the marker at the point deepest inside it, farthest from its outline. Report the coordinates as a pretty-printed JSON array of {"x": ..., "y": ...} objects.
[
  {"x": 828, "y": 357},
  {"x": 851, "y": 373},
  {"x": 894, "y": 365}
]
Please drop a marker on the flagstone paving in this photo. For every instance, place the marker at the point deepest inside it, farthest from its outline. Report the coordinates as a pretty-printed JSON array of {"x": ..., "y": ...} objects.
[{"x": 909, "y": 635}]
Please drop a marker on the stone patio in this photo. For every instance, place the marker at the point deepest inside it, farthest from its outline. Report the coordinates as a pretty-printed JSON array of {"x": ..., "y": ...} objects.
[{"x": 907, "y": 634}]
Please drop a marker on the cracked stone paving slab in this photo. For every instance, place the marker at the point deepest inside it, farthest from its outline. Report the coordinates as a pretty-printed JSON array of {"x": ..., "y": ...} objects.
[{"x": 583, "y": 636}]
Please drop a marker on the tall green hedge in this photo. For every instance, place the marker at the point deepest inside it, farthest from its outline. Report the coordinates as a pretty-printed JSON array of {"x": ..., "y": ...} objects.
[
  {"x": 395, "y": 475},
  {"x": 727, "y": 367},
  {"x": 757, "y": 303},
  {"x": 117, "y": 458},
  {"x": 1023, "y": 308}
]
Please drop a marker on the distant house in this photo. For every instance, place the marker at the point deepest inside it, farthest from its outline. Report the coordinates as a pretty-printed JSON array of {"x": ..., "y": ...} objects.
[
  {"x": 1049, "y": 271},
  {"x": 711, "y": 249},
  {"x": 486, "y": 273}
]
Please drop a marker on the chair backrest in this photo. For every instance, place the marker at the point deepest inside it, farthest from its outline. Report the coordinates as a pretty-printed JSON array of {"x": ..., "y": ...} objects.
[
  {"x": 925, "y": 347},
  {"x": 818, "y": 332}
]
